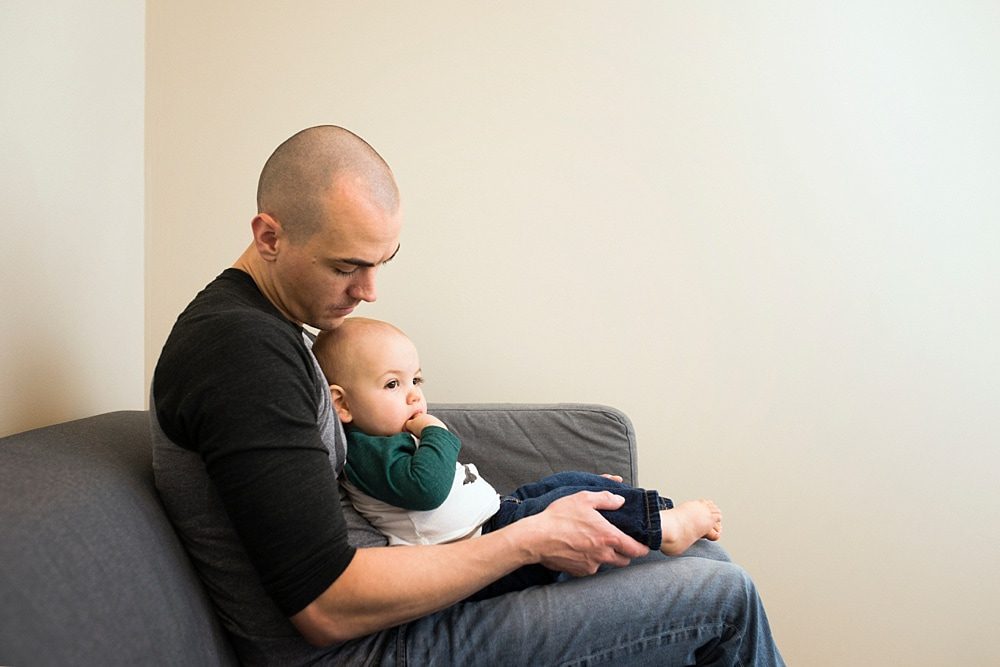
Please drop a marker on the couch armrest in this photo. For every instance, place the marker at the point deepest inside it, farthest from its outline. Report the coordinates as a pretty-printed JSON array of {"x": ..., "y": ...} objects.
[
  {"x": 92, "y": 572},
  {"x": 513, "y": 443}
]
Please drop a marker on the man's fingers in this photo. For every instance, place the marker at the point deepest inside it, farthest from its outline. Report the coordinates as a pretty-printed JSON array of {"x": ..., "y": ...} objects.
[
  {"x": 618, "y": 559},
  {"x": 604, "y": 500},
  {"x": 592, "y": 540},
  {"x": 618, "y": 555},
  {"x": 629, "y": 549},
  {"x": 624, "y": 548}
]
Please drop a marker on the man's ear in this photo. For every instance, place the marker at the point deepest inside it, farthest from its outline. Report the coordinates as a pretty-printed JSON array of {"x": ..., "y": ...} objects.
[
  {"x": 266, "y": 233},
  {"x": 339, "y": 397}
]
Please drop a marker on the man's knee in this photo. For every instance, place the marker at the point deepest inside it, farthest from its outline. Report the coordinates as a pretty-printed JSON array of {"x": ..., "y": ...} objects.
[
  {"x": 708, "y": 549},
  {"x": 737, "y": 593}
]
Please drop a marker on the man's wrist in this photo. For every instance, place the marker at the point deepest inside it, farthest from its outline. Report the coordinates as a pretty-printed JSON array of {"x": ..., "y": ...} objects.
[{"x": 523, "y": 539}]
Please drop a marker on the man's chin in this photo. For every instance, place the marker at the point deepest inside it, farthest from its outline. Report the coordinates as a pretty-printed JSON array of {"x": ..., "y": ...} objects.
[
  {"x": 331, "y": 323},
  {"x": 335, "y": 320}
]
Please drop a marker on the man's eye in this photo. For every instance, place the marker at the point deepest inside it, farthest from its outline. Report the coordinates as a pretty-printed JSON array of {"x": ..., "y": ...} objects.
[
  {"x": 392, "y": 384},
  {"x": 341, "y": 272}
]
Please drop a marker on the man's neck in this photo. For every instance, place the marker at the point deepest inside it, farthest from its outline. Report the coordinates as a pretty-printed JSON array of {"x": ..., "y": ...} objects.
[{"x": 251, "y": 264}]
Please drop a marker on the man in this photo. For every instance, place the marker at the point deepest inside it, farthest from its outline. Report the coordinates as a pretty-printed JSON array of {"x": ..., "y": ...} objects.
[{"x": 247, "y": 450}]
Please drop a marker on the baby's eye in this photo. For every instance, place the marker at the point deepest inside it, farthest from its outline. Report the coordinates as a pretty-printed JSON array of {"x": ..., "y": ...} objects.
[
  {"x": 392, "y": 384},
  {"x": 418, "y": 381}
]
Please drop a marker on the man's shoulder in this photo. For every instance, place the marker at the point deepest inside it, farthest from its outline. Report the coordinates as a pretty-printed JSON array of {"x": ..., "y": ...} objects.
[
  {"x": 229, "y": 337},
  {"x": 231, "y": 296},
  {"x": 232, "y": 358},
  {"x": 230, "y": 311}
]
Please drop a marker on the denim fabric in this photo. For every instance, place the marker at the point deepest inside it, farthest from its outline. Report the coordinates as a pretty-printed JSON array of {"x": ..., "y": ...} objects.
[
  {"x": 638, "y": 517},
  {"x": 695, "y": 609}
]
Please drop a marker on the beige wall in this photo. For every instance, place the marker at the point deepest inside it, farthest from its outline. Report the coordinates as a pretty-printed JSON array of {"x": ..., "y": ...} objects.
[
  {"x": 71, "y": 176},
  {"x": 768, "y": 231}
]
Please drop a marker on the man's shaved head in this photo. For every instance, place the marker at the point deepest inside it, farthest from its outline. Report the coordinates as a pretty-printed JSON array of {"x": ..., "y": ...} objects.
[{"x": 297, "y": 179}]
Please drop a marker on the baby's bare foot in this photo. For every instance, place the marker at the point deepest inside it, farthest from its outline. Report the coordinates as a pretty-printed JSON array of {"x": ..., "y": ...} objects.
[{"x": 687, "y": 523}]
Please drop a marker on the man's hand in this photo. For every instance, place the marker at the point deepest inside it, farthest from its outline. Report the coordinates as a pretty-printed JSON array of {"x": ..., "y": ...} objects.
[
  {"x": 577, "y": 540},
  {"x": 418, "y": 422},
  {"x": 378, "y": 589}
]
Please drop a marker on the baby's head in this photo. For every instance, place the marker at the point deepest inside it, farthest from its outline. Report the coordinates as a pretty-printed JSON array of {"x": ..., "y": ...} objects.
[{"x": 374, "y": 375}]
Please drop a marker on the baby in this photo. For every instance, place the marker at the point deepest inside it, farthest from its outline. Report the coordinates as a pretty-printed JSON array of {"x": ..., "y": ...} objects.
[{"x": 403, "y": 474}]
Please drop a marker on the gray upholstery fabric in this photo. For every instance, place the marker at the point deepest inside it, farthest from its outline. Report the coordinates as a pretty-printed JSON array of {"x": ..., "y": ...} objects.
[
  {"x": 91, "y": 571},
  {"x": 513, "y": 444}
]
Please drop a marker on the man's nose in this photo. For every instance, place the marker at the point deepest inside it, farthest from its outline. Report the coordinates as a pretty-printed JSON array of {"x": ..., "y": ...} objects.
[{"x": 363, "y": 286}]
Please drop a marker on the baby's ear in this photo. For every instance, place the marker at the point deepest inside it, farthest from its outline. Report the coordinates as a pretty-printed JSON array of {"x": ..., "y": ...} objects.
[{"x": 339, "y": 397}]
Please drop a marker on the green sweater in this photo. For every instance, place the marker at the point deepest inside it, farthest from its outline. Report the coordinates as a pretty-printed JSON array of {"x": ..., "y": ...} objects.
[{"x": 395, "y": 470}]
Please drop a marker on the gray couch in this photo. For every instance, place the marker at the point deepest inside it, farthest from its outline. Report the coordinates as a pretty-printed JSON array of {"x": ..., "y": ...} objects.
[{"x": 92, "y": 573}]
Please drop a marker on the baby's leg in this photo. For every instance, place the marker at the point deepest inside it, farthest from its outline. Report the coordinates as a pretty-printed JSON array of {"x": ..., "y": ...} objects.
[{"x": 688, "y": 522}]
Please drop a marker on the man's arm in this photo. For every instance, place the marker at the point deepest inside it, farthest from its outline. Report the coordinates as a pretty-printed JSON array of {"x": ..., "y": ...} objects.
[{"x": 386, "y": 586}]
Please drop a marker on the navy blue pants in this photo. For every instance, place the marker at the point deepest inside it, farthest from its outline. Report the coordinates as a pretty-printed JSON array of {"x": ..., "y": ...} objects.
[{"x": 638, "y": 517}]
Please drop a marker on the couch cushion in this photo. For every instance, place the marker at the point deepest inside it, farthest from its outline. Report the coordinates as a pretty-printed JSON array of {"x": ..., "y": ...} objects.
[
  {"x": 92, "y": 572},
  {"x": 516, "y": 443}
]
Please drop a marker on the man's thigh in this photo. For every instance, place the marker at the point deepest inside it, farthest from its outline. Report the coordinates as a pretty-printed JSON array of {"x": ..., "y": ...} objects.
[{"x": 661, "y": 611}]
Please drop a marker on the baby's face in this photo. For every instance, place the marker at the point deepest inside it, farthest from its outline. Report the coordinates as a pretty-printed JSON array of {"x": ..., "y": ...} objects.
[{"x": 385, "y": 389}]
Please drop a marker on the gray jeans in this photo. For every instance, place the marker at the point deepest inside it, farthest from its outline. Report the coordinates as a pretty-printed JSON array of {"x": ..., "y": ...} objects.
[{"x": 696, "y": 609}]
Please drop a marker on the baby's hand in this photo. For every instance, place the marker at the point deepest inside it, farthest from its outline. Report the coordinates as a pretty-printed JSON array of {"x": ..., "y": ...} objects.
[{"x": 418, "y": 422}]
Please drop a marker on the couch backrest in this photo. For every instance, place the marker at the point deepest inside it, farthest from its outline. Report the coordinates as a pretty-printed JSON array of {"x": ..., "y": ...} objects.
[
  {"x": 517, "y": 443},
  {"x": 91, "y": 571}
]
